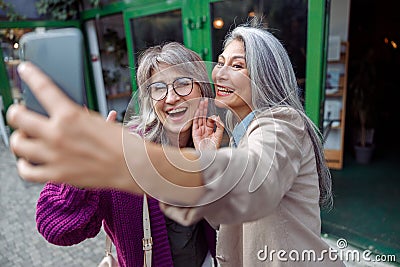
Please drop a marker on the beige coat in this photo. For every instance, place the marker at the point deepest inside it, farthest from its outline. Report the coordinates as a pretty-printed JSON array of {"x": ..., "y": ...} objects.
[{"x": 264, "y": 196}]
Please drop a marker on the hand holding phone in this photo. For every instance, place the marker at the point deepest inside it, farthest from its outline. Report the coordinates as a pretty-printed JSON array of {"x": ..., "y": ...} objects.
[{"x": 59, "y": 53}]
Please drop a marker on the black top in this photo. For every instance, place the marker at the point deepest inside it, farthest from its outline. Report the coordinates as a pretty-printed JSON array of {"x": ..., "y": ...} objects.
[{"x": 188, "y": 243}]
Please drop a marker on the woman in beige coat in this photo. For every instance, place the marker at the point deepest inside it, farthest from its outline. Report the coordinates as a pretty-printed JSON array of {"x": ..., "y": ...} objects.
[
  {"x": 264, "y": 195},
  {"x": 268, "y": 213}
]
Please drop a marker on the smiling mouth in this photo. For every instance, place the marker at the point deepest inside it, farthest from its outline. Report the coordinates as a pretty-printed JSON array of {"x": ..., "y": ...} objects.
[
  {"x": 223, "y": 91},
  {"x": 176, "y": 112}
]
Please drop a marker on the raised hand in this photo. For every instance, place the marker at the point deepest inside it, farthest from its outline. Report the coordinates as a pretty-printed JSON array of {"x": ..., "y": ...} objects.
[
  {"x": 203, "y": 134},
  {"x": 112, "y": 116},
  {"x": 70, "y": 144}
]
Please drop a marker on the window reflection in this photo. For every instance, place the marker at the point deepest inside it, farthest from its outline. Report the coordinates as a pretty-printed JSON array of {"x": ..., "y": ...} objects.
[
  {"x": 156, "y": 29},
  {"x": 9, "y": 44},
  {"x": 114, "y": 63}
]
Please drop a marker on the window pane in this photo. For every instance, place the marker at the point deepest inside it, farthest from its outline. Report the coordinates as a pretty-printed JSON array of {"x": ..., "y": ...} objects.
[
  {"x": 113, "y": 70},
  {"x": 286, "y": 19},
  {"x": 156, "y": 29},
  {"x": 9, "y": 39}
]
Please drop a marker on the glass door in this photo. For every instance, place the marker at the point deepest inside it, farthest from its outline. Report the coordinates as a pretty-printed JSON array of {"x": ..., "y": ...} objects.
[
  {"x": 9, "y": 39},
  {"x": 108, "y": 55},
  {"x": 150, "y": 25},
  {"x": 286, "y": 19}
]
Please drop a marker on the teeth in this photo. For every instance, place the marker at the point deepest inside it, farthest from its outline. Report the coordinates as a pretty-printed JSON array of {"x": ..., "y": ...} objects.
[
  {"x": 174, "y": 111},
  {"x": 225, "y": 90}
]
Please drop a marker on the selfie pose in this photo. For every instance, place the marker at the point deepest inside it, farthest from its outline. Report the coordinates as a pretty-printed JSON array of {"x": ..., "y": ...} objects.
[
  {"x": 67, "y": 215},
  {"x": 264, "y": 193}
]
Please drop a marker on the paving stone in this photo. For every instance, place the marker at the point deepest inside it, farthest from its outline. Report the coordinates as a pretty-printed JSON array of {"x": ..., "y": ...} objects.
[{"x": 20, "y": 243}]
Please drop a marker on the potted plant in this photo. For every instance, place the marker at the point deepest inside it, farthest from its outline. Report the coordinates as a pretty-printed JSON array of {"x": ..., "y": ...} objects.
[
  {"x": 114, "y": 44},
  {"x": 62, "y": 10},
  {"x": 111, "y": 79},
  {"x": 11, "y": 14},
  {"x": 363, "y": 93}
]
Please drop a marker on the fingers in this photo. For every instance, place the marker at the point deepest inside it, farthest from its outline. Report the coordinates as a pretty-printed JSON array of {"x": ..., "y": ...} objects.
[
  {"x": 219, "y": 123},
  {"x": 31, "y": 123},
  {"x": 199, "y": 116},
  {"x": 195, "y": 125},
  {"x": 30, "y": 172},
  {"x": 204, "y": 108},
  {"x": 216, "y": 121},
  {"x": 112, "y": 116},
  {"x": 47, "y": 93},
  {"x": 219, "y": 131},
  {"x": 28, "y": 148}
]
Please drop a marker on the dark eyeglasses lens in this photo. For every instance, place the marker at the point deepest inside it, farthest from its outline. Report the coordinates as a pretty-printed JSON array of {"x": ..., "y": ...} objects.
[{"x": 183, "y": 86}]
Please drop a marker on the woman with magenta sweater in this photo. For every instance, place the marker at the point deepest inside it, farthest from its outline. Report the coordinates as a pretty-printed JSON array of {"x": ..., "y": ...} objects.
[{"x": 168, "y": 99}]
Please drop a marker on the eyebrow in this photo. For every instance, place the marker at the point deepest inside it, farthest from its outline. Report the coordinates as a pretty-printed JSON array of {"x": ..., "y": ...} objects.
[{"x": 234, "y": 57}]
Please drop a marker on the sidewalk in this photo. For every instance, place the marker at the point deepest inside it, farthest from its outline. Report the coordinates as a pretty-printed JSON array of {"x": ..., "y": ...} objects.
[{"x": 20, "y": 243}]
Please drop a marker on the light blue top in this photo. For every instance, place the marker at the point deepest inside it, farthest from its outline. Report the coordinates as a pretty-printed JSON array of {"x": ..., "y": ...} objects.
[{"x": 241, "y": 128}]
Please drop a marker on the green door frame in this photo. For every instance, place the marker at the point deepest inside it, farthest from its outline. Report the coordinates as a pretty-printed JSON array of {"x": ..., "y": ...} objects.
[
  {"x": 195, "y": 18},
  {"x": 197, "y": 30},
  {"x": 317, "y": 33},
  {"x": 137, "y": 11}
]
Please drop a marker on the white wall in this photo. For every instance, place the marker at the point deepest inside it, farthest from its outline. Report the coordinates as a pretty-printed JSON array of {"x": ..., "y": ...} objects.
[{"x": 339, "y": 19}]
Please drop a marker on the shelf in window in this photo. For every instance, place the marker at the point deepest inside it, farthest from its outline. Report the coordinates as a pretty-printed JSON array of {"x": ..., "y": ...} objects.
[
  {"x": 334, "y": 125},
  {"x": 342, "y": 59},
  {"x": 13, "y": 62},
  {"x": 339, "y": 93},
  {"x": 119, "y": 95}
]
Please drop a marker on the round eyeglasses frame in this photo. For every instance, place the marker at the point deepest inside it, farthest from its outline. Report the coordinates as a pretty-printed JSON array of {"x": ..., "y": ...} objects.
[{"x": 174, "y": 85}]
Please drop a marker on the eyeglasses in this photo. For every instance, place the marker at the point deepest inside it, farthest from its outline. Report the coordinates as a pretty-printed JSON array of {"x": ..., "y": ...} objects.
[{"x": 182, "y": 86}]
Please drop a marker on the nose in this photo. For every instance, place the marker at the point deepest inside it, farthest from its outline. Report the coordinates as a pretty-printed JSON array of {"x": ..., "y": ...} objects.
[
  {"x": 220, "y": 73},
  {"x": 171, "y": 97}
]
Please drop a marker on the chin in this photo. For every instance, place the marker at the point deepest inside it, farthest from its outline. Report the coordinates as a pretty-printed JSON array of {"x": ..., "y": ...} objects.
[
  {"x": 178, "y": 129},
  {"x": 221, "y": 102}
]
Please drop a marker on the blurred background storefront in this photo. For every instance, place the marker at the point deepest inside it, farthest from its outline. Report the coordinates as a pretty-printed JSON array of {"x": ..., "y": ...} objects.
[{"x": 345, "y": 57}]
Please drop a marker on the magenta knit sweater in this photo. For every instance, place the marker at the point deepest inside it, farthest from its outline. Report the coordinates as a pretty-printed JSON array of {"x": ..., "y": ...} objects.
[{"x": 66, "y": 216}]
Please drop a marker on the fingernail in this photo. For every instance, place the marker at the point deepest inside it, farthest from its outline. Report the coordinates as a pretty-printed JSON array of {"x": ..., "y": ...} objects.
[{"x": 21, "y": 67}]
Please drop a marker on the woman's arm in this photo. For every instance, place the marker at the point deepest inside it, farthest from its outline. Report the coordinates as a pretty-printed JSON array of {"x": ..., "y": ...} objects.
[
  {"x": 249, "y": 182},
  {"x": 80, "y": 148}
]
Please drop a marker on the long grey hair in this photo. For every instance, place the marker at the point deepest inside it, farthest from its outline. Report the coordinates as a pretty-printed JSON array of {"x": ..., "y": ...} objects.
[
  {"x": 172, "y": 54},
  {"x": 273, "y": 83}
]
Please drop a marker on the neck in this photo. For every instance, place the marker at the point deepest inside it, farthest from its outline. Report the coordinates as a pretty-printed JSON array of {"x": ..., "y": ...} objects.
[
  {"x": 179, "y": 140},
  {"x": 242, "y": 113}
]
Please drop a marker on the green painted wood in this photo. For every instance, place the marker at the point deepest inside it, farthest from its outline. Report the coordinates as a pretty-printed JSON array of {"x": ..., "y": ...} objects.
[
  {"x": 5, "y": 90},
  {"x": 316, "y": 58},
  {"x": 119, "y": 7},
  {"x": 138, "y": 11},
  {"x": 41, "y": 23}
]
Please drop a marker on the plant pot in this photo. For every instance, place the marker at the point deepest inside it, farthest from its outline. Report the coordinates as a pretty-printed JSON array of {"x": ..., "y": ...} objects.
[{"x": 364, "y": 153}]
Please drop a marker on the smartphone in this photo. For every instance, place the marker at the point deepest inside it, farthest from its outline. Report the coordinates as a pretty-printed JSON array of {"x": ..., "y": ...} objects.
[{"x": 60, "y": 54}]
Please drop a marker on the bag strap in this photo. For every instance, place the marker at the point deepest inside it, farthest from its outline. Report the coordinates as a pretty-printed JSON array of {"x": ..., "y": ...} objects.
[
  {"x": 108, "y": 247},
  {"x": 108, "y": 244},
  {"x": 147, "y": 239}
]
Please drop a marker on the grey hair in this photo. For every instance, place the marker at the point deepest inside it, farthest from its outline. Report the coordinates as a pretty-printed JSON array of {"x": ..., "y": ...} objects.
[
  {"x": 173, "y": 54},
  {"x": 273, "y": 83}
]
